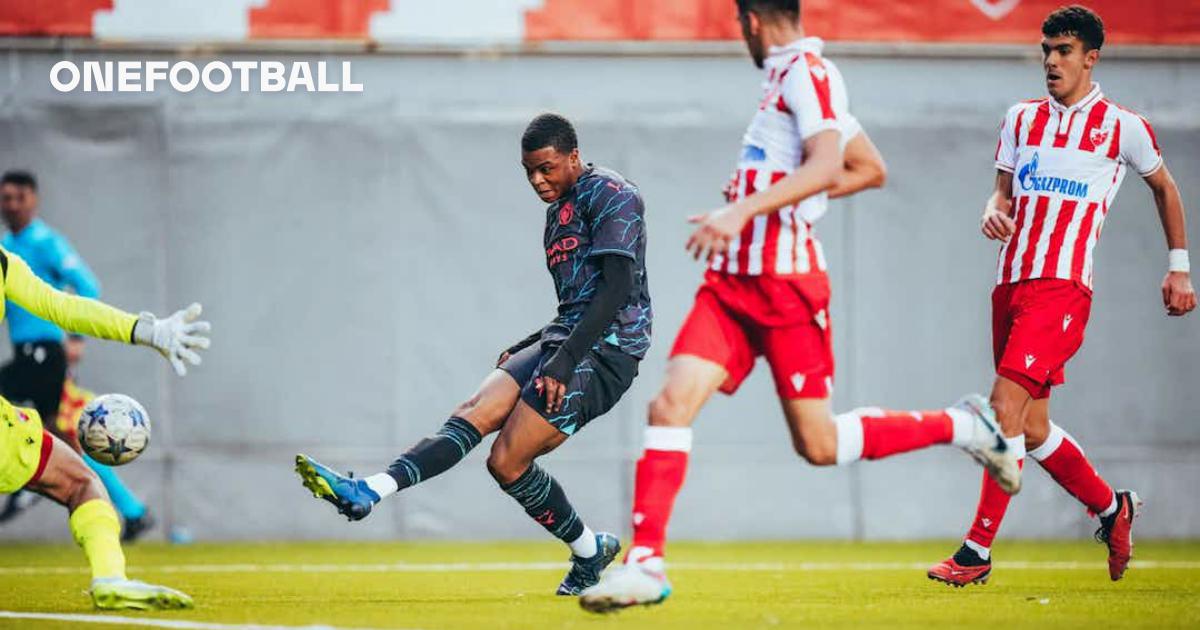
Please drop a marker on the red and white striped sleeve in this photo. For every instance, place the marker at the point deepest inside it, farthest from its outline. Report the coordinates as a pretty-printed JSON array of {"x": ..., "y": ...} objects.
[
  {"x": 1006, "y": 146},
  {"x": 808, "y": 92},
  {"x": 1139, "y": 146}
]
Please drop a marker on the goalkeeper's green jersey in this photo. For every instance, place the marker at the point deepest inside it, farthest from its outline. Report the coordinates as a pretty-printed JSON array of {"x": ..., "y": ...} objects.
[{"x": 80, "y": 315}]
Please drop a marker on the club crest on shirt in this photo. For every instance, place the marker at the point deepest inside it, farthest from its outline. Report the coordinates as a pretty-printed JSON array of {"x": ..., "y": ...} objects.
[
  {"x": 565, "y": 213},
  {"x": 1098, "y": 136}
]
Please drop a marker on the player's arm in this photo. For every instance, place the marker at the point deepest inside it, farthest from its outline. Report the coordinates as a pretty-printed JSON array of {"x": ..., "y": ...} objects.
[
  {"x": 177, "y": 337},
  {"x": 616, "y": 220},
  {"x": 997, "y": 223},
  {"x": 1140, "y": 150},
  {"x": 862, "y": 167},
  {"x": 615, "y": 284},
  {"x": 819, "y": 172},
  {"x": 74, "y": 272},
  {"x": 1179, "y": 297}
]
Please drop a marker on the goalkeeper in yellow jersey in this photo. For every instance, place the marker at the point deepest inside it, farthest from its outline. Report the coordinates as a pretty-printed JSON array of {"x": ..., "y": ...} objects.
[{"x": 32, "y": 458}]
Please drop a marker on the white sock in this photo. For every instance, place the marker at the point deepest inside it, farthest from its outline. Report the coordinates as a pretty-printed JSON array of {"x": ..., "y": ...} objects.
[
  {"x": 668, "y": 439},
  {"x": 645, "y": 558},
  {"x": 382, "y": 484},
  {"x": 985, "y": 553},
  {"x": 585, "y": 545},
  {"x": 849, "y": 437},
  {"x": 1016, "y": 446},
  {"x": 1112, "y": 507},
  {"x": 1053, "y": 440},
  {"x": 963, "y": 424}
]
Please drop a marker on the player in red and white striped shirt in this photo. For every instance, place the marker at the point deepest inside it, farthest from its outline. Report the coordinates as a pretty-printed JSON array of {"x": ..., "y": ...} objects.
[
  {"x": 766, "y": 293},
  {"x": 1059, "y": 163}
]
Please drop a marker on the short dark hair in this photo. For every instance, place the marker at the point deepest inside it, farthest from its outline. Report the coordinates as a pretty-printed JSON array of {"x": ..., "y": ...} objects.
[
  {"x": 549, "y": 130},
  {"x": 790, "y": 8},
  {"x": 1078, "y": 21},
  {"x": 20, "y": 178}
]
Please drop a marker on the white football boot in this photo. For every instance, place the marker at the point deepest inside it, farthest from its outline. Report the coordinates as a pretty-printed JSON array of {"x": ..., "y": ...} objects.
[
  {"x": 631, "y": 584},
  {"x": 987, "y": 444}
]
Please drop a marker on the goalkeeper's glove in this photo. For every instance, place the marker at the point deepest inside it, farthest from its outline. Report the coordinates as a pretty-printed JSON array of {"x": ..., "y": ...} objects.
[{"x": 177, "y": 337}]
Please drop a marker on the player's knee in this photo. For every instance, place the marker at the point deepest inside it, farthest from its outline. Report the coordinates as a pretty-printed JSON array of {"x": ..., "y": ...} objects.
[
  {"x": 1035, "y": 436},
  {"x": 504, "y": 467},
  {"x": 818, "y": 449},
  {"x": 80, "y": 485},
  {"x": 485, "y": 415},
  {"x": 667, "y": 410},
  {"x": 468, "y": 407},
  {"x": 1007, "y": 408}
]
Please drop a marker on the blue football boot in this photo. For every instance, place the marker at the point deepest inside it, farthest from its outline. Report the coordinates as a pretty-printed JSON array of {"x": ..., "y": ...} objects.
[
  {"x": 351, "y": 496},
  {"x": 586, "y": 572}
]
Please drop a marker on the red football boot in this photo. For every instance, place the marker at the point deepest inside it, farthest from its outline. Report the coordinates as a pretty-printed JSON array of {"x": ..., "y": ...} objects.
[
  {"x": 1116, "y": 531},
  {"x": 963, "y": 568}
]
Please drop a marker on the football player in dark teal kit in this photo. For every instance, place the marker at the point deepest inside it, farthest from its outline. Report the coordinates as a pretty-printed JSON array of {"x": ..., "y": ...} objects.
[{"x": 552, "y": 383}]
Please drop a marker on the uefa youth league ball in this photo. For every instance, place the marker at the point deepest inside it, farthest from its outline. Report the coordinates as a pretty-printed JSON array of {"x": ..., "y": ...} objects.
[{"x": 114, "y": 429}]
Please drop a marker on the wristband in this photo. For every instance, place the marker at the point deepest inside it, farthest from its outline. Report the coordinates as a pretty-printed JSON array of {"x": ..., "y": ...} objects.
[{"x": 1177, "y": 261}]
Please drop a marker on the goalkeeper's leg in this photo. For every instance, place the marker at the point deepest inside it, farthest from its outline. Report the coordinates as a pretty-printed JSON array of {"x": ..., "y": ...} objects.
[{"x": 65, "y": 478}]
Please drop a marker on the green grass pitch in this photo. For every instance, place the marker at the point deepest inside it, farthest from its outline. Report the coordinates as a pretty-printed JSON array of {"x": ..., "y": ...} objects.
[{"x": 728, "y": 585}]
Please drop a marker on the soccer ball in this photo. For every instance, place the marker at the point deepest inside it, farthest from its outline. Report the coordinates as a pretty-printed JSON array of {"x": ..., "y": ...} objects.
[{"x": 114, "y": 429}]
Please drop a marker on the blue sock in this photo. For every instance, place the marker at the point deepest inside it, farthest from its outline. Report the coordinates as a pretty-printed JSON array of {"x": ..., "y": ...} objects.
[{"x": 127, "y": 504}]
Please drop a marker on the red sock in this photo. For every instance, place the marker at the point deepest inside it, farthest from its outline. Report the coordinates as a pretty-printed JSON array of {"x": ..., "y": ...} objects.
[
  {"x": 659, "y": 477},
  {"x": 887, "y": 432},
  {"x": 1061, "y": 456},
  {"x": 993, "y": 503}
]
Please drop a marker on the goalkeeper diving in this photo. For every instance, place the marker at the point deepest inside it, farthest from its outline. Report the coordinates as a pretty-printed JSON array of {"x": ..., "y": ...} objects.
[{"x": 32, "y": 458}]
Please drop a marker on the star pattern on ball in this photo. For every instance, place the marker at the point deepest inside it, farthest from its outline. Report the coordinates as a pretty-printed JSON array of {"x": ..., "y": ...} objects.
[{"x": 98, "y": 414}]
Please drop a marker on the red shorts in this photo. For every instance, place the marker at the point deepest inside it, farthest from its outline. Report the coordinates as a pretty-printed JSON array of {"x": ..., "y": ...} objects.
[
  {"x": 1037, "y": 326},
  {"x": 735, "y": 319}
]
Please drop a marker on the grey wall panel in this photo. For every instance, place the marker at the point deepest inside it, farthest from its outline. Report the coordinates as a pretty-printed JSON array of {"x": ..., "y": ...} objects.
[{"x": 365, "y": 257}]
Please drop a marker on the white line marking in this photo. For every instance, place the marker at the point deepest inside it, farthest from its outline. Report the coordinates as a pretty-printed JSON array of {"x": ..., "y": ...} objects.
[
  {"x": 179, "y": 624},
  {"x": 485, "y": 567}
]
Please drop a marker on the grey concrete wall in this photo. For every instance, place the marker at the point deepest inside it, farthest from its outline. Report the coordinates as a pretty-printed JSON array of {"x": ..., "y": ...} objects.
[{"x": 365, "y": 256}]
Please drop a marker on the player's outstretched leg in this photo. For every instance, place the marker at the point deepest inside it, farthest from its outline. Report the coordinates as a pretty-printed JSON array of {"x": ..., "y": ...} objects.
[
  {"x": 525, "y": 436},
  {"x": 872, "y": 433},
  {"x": 482, "y": 414},
  {"x": 352, "y": 497},
  {"x": 65, "y": 478}
]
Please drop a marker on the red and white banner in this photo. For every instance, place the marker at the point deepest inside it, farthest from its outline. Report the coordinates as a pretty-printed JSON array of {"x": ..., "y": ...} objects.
[{"x": 985, "y": 21}]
